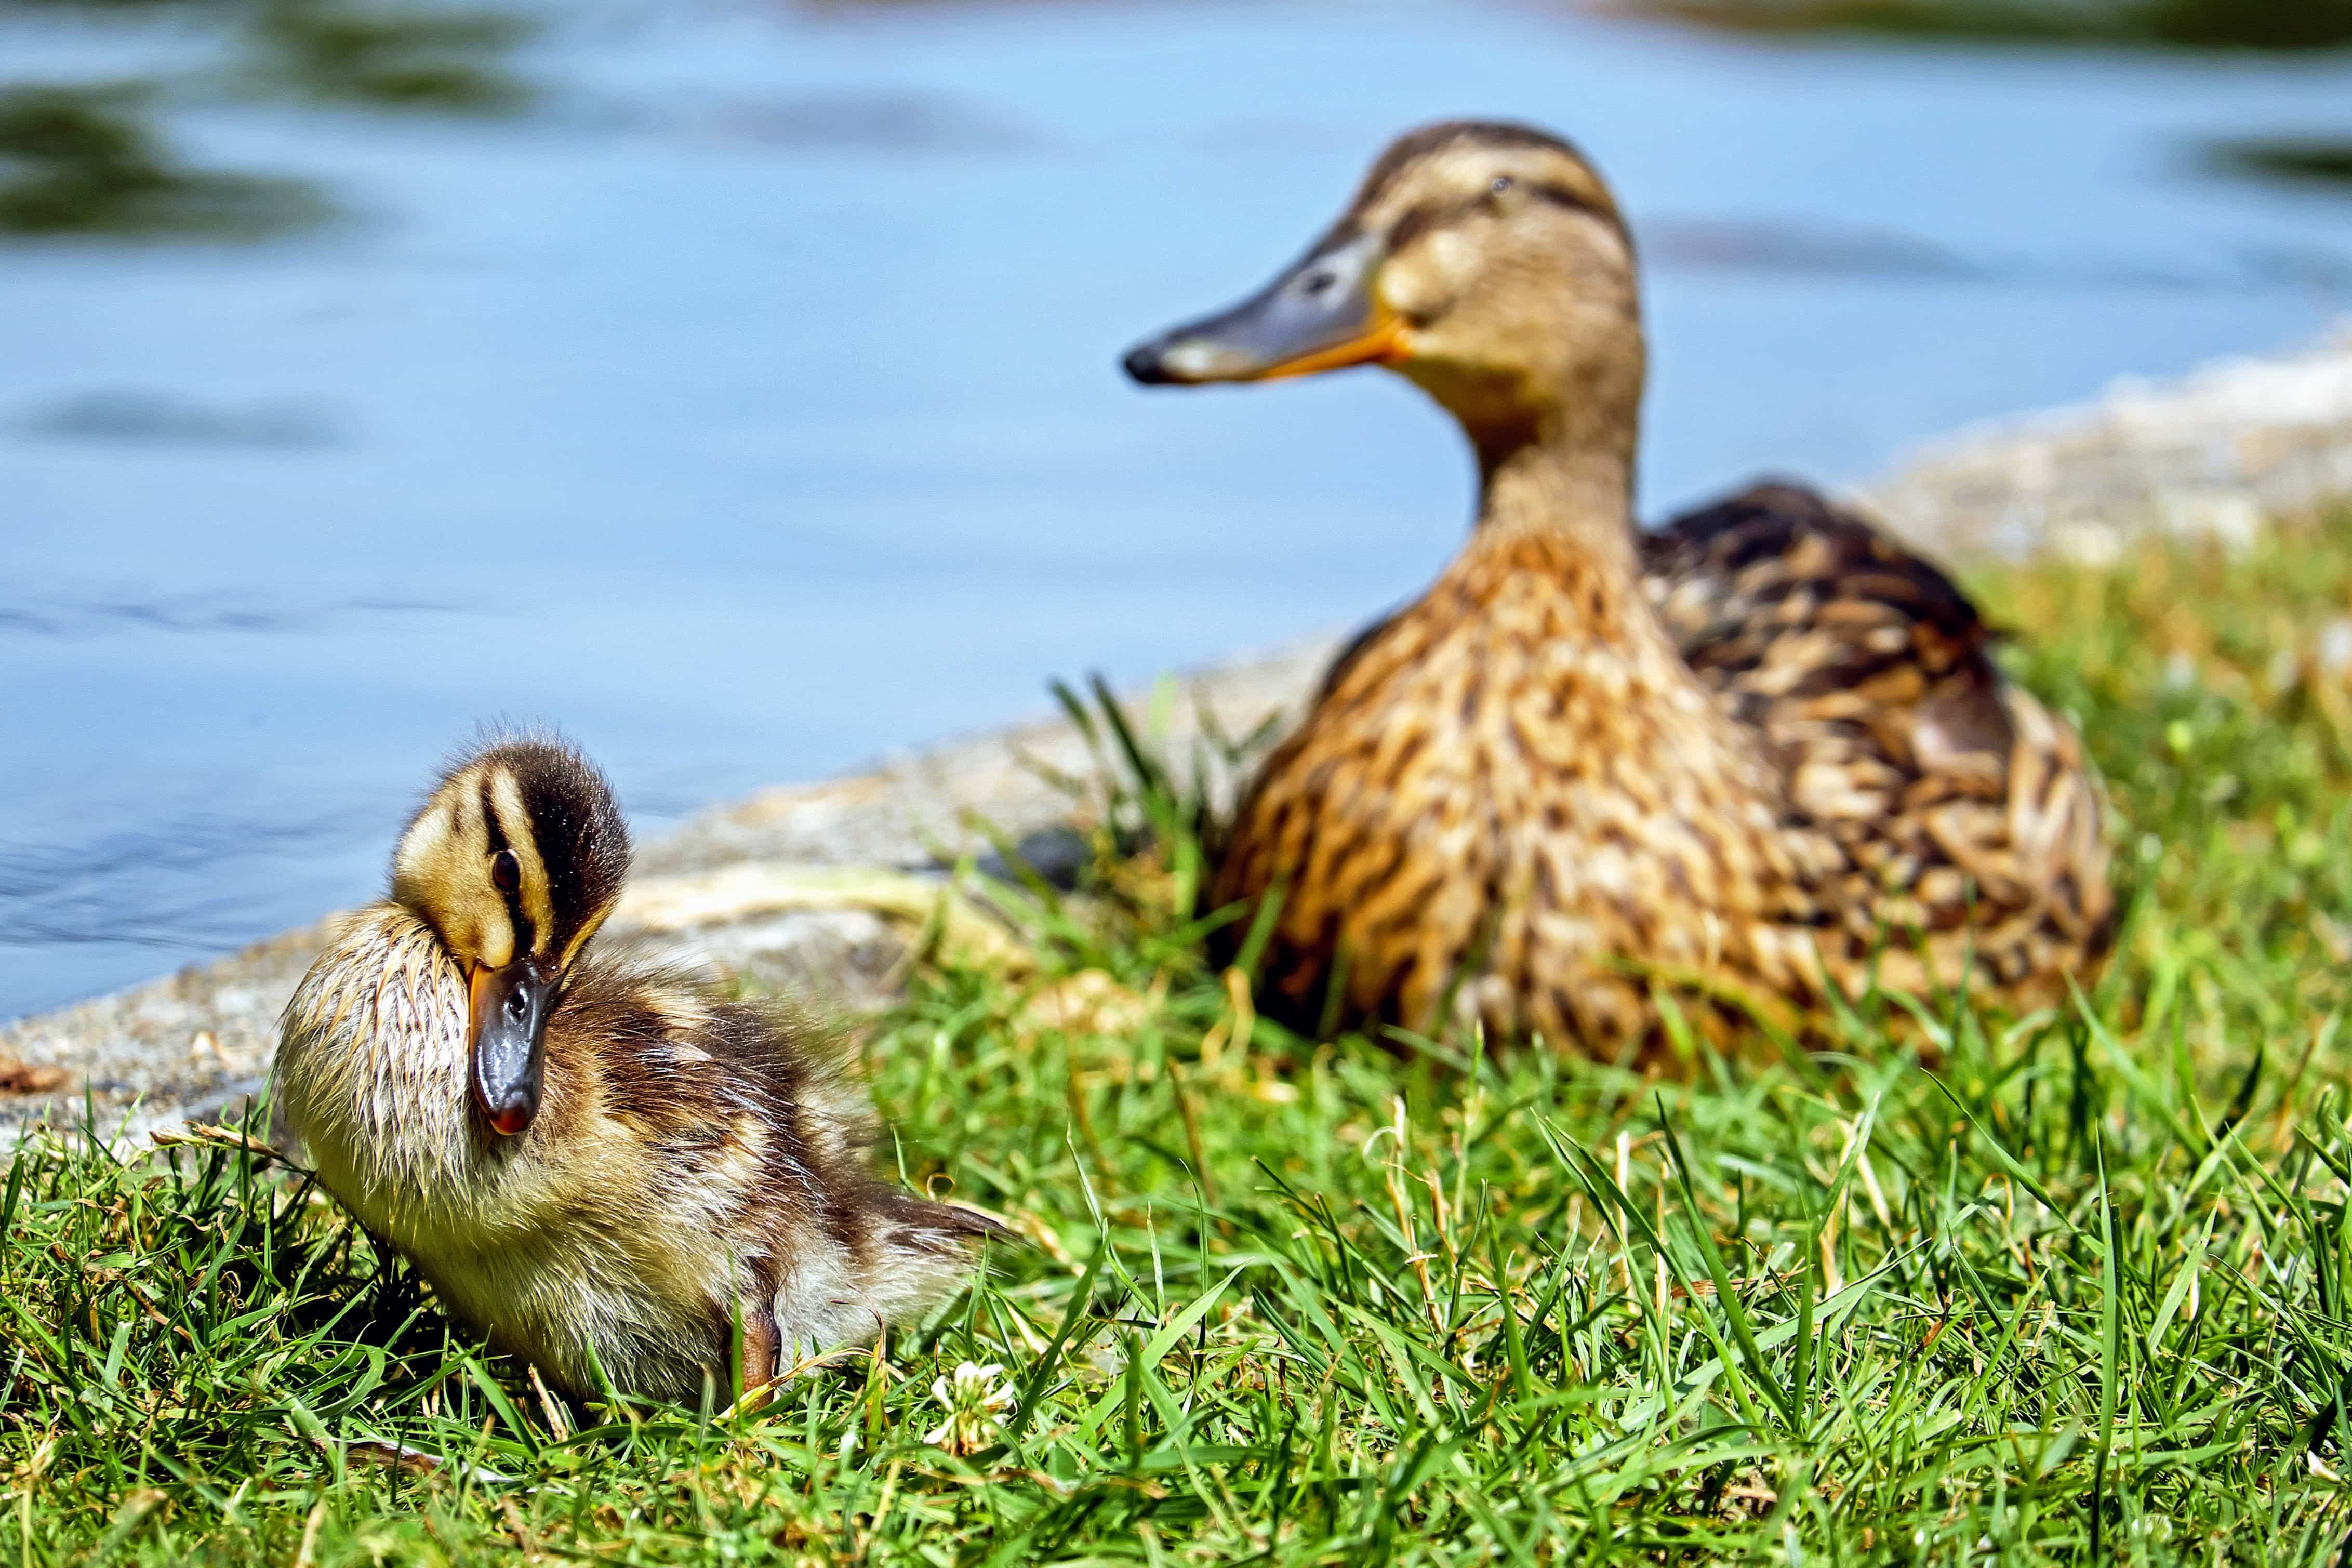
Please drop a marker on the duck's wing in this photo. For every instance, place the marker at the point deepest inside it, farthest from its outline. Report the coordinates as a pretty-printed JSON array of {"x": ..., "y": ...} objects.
[
  {"x": 1777, "y": 596},
  {"x": 1959, "y": 802}
]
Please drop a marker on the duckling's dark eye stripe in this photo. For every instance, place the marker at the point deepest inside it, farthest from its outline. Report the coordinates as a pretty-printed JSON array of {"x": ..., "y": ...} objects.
[
  {"x": 557, "y": 837},
  {"x": 525, "y": 929},
  {"x": 492, "y": 827}
]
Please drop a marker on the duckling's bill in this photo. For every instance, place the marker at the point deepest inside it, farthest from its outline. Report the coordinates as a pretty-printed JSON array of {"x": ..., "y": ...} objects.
[
  {"x": 1323, "y": 313},
  {"x": 510, "y": 1007}
]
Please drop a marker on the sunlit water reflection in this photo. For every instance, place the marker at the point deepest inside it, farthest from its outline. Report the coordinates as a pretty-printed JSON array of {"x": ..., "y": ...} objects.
[{"x": 750, "y": 408}]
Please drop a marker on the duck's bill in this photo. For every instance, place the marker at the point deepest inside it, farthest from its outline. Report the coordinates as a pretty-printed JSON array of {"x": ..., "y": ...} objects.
[
  {"x": 1319, "y": 315},
  {"x": 510, "y": 1008}
]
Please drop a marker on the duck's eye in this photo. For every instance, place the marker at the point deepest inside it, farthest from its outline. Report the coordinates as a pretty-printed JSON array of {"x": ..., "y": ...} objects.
[
  {"x": 1502, "y": 182},
  {"x": 506, "y": 872},
  {"x": 1317, "y": 284}
]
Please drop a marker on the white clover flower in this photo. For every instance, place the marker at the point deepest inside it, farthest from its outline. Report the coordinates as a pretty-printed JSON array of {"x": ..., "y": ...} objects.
[{"x": 975, "y": 1399}]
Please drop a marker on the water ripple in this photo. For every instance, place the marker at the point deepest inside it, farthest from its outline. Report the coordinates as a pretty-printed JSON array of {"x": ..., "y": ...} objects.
[
  {"x": 202, "y": 612},
  {"x": 151, "y": 888}
]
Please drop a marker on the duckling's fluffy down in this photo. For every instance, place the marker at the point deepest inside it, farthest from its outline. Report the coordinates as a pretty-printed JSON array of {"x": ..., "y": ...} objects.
[{"x": 699, "y": 1163}]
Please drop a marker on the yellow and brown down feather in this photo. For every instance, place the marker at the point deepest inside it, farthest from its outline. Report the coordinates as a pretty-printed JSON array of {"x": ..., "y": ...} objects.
[{"x": 695, "y": 1164}]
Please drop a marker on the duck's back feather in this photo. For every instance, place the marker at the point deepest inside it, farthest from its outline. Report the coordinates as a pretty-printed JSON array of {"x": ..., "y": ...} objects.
[
  {"x": 1960, "y": 802},
  {"x": 1774, "y": 595},
  {"x": 1932, "y": 818}
]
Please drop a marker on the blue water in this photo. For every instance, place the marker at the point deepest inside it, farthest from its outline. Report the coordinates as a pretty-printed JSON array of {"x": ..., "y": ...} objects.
[{"x": 750, "y": 407}]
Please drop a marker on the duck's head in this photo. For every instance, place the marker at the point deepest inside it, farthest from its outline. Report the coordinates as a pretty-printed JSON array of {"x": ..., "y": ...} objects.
[
  {"x": 1486, "y": 261},
  {"x": 515, "y": 861}
]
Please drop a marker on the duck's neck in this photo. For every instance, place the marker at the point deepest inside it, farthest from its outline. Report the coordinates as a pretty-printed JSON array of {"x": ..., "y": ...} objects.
[
  {"x": 1552, "y": 574},
  {"x": 1563, "y": 485}
]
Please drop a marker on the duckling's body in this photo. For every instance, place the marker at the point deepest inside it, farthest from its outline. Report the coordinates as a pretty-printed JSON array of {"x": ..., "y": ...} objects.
[
  {"x": 1758, "y": 753},
  {"x": 686, "y": 1163}
]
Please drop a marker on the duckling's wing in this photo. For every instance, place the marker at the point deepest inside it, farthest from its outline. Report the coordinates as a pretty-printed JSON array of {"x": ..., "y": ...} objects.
[
  {"x": 754, "y": 1128},
  {"x": 1960, "y": 802},
  {"x": 901, "y": 1254}
]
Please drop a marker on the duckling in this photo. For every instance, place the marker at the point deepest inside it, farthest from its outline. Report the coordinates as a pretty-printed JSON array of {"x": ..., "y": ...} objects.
[
  {"x": 1758, "y": 754},
  {"x": 604, "y": 1166}
]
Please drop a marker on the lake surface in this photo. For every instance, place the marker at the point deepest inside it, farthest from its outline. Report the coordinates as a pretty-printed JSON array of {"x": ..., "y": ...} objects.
[{"x": 751, "y": 408}]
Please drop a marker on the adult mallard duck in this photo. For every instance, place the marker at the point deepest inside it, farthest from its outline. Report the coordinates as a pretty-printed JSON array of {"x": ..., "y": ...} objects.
[
  {"x": 1758, "y": 753},
  {"x": 605, "y": 1167}
]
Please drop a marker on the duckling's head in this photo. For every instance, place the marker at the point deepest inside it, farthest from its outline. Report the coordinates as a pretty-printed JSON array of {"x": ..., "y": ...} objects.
[
  {"x": 515, "y": 861},
  {"x": 1484, "y": 261}
]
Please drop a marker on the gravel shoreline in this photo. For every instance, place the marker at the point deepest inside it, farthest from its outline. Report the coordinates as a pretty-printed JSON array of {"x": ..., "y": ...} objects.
[
  {"x": 822, "y": 887},
  {"x": 2212, "y": 453}
]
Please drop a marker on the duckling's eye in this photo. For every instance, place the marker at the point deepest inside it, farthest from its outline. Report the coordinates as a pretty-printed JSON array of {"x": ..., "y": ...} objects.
[
  {"x": 1502, "y": 182},
  {"x": 506, "y": 872}
]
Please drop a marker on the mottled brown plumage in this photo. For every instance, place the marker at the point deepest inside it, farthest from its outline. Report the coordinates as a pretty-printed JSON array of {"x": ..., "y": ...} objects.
[
  {"x": 685, "y": 1162},
  {"x": 1758, "y": 753}
]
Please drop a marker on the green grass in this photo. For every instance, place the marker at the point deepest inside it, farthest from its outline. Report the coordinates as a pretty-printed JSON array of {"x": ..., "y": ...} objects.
[{"x": 2075, "y": 1294}]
